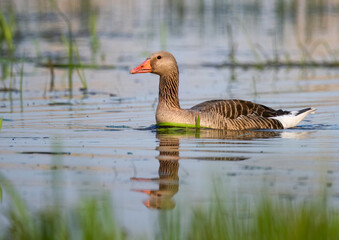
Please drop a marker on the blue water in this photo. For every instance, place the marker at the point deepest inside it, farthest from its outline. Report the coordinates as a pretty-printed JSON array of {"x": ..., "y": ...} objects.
[{"x": 106, "y": 140}]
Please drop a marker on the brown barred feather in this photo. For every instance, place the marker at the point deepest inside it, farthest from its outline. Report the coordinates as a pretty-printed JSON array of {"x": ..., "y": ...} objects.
[
  {"x": 241, "y": 114},
  {"x": 234, "y": 108}
]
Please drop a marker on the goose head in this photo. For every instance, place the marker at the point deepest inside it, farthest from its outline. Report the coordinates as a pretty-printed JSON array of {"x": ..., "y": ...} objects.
[{"x": 160, "y": 63}]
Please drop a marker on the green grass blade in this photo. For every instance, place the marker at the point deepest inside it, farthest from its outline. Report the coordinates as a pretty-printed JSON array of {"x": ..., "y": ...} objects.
[
  {"x": 80, "y": 69},
  {"x": 94, "y": 40},
  {"x": 70, "y": 47},
  {"x": 6, "y": 32},
  {"x": 197, "y": 122},
  {"x": 21, "y": 86}
]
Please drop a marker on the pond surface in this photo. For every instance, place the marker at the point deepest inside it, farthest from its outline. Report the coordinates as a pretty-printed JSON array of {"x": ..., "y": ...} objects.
[{"x": 105, "y": 139}]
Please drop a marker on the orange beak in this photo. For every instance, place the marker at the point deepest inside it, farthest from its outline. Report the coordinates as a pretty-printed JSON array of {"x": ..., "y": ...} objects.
[{"x": 145, "y": 67}]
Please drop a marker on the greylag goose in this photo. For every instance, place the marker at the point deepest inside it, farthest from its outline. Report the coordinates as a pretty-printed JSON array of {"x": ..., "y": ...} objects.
[{"x": 230, "y": 114}]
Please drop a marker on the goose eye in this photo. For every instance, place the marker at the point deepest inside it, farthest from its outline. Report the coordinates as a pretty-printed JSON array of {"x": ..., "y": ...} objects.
[{"x": 158, "y": 57}]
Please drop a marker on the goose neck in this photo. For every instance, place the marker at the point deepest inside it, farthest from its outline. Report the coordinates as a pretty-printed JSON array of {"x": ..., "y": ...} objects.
[{"x": 169, "y": 90}]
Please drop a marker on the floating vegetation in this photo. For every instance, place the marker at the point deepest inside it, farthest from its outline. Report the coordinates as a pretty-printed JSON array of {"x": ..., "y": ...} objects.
[{"x": 1, "y": 123}]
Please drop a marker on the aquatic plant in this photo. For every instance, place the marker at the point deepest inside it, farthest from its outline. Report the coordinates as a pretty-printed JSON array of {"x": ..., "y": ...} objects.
[
  {"x": 94, "y": 40},
  {"x": 6, "y": 39},
  {"x": 77, "y": 66},
  {"x": 231, "y": 44},
  {"x": 6, "y": 32},
  {"x": 267, "y": 219},
  {"x": 223, "y": 218},
  {"x": 4, "y": 74},
  {"x": 69, "y": 44},
  {"x": 255, "y": 92},
  {"x": 21, "y": 86},
  {"x": 80, "y": 70},
  {"x": 1, "y": 123},
  {"x": 279, "y": 60},
  {"x": 37, "y": 48},
  {"x": 90, "y": 219}
]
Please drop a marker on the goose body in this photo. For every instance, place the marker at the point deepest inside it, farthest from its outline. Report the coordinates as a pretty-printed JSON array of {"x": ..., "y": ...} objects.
[{"x": 233, "y": 114}]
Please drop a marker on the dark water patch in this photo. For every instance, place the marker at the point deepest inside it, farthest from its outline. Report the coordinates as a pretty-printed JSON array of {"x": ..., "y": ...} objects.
[
  {"x": 275, "y": 64},
  {"x": 45, "y": 153},
  {"x": 209, "y": 149},
  {"x": 7, "y": 120},
  {"x": 116, "y": 127},
  {"x": 122, "y": 99},
  {"x": 152, "y": 127},
  {"x": 97, "y": 92},
  {"x": 33, "y": 138},
  {"x": 218, "y": 159},
  {"x": 318, "y": 127},
  {"x": 81, "y": 66},
  {"x": 60, "y": 104},
  {"x": 93, "y": 93},
  {"x": 9, "y": 90},
  {"x": 113, "y": 111},
  {"x": 250, "y": 167}
]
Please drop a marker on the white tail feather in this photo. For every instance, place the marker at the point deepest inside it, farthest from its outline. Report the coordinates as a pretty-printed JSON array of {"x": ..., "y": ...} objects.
[{"x": 294, "y": 117}]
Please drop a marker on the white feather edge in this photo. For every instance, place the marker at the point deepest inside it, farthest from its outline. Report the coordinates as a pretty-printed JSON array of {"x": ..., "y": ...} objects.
[{"x": 292, "y": 119}]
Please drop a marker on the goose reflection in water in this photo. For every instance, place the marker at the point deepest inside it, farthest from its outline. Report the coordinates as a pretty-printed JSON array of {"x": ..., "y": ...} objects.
[{"x": 168, "y": 179}]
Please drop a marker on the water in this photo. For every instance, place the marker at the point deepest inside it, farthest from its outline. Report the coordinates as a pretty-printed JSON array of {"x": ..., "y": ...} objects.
[{"x": 105, "y": 140}]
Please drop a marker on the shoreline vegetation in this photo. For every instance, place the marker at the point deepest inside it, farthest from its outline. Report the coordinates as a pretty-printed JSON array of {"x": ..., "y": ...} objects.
[{"x": 94, "y": 218}]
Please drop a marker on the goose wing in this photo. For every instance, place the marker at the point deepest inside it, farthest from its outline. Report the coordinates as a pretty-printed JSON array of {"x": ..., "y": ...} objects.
[
  {"x": 235, "y": 108},
  {"x": 240, "y": 114}
]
